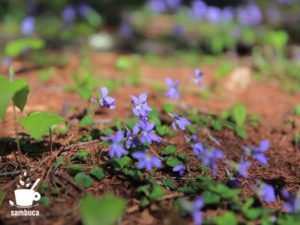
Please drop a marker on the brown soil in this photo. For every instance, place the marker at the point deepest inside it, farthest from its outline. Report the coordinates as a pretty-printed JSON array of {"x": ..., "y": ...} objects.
[{"x": 268, "y": 99}]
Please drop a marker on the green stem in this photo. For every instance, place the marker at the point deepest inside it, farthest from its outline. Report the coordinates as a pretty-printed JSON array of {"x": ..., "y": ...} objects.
[{"x": 11, "y": 77}]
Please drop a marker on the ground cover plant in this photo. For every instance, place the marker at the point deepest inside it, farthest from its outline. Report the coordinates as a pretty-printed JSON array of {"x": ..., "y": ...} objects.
[{"x": 160, "y": 112}]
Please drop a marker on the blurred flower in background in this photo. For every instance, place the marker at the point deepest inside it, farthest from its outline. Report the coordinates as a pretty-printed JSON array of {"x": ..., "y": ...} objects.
[
  {"x": 28, "y": 25},
  {"x": 69, "y": 14}
]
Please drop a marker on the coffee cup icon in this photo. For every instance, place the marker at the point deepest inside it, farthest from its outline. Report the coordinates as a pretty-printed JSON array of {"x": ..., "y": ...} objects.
[{"x": 25, "y": 197}]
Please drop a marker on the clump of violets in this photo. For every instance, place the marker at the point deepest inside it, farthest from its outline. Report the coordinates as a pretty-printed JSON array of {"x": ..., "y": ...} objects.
[
  {"x": 292, "y": 204},
  {"x": 140, "y": 105},
  {"x": 146, "y": 161},
  {"x": 267, "y": 193},
  {"x": 116, "y": 148},
  {"x": 258, "y": 152},
  {"x": 207, "y": 156},
  {"x": 179, "y": 122},
  {"x": 180, "y": 168},
  {"x": 198, "y": 78},
  {"x": 105, "y": 100},
  {"x": 28, "y": 25},
  {"x": 196, "y": 211},
  {"x": 173, "y": 91}
]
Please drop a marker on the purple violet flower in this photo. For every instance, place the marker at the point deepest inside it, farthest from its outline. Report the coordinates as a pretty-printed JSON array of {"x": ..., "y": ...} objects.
[
  {"x": 196, "y": 211},
  {"x": 193, "y": 139},
  {"x": 267, "y": 193},
  {"x": 125, "y": 30},
  {"x": 198, "y": 150},
  {"x": 258, "y": 152},
  {"x": 173, "y": 5},
  {"x": 227, "y": 15},
  {"x": 249, "y": 15},
  {"x": 213, "y": 14},
  {"x": 243, "y": 167},
  {"x": 140, "y": 105},
  {"x": 179, "y": 31},
  {"x": 180, "y": 168},
  {"x": 116, "y": 148},
  {"x": 173, "y": 91},
  {"x": 69, "y": 14},
  {"x": 198, "y": 9},
  {"x": 292, "y": 204},
  {"x": 106, "y": 101},
  {"x": 180, "y": 122},
  {"x": 28, "y": 25},
  {"x": 146, "y": 161},
  {"x": 147, "y": 134},
  {"x": 157, "y": 5},
  {"x": 210, "y": 157},
  {"x": 84, "y": 9},
  {"x": 7, "y": 62},
  {"x": 198, "y": 78},
  {"x": 132, "y": 140}
]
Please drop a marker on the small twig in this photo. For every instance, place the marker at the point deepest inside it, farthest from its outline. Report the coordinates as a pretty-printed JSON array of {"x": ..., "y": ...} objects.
[
  {"x": 136, "y": 208},
  {"x": 51, "y": 143},
  {"x": 79, "y": 145},
  {"x": 11, "y": 174},
  {"x": 67, "y": 178}
]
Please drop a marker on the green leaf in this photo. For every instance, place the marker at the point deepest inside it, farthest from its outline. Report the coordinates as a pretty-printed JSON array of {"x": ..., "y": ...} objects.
[
  {"x": 224, "y": 191},
  {"x": 252, "y": 213},
  {"x": 186, "y": 190},
  {"x": 86, "y": 121},
  {"x": 210, "y": 197},
  {"x": 97, "y": 172},
  {"x": 75, "y": 168},
  {"x": 84, "y": 180},
  {"x": 169, "y": 183},
  {"x": 59, "y": 161},
  {"x": 105, "y": 211},
  {"x": 123, "y": 63},
  {"x": 171, "y": 161},
  {"x": 170, "y": 149},
  {"x": 227, "y": 219},
  {"x": 20, "y": 97},
  {"x": 144, "y": 189},
  {"x": 2, "y": 194},
  {"x": 16, "y": 47},
  {"x": 169, "y": 108},
  {"x": 157, "y": 192},
  {"x": 163, "y": 130},
  {"x": 239, "y": 114},
  {"x": 297, "y": 110},
  {"x": 45, "y": 201},
  {"x": 11, "y": 90},
  {"x": 241, "y": 132},
  {"x": 81, "y": 154},
  {"x": 38, "y": 124},
  {"x": 122, "y": 162}
]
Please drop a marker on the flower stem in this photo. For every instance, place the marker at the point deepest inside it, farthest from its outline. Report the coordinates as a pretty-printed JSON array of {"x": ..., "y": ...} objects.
[{"x": 11, "y": 77}]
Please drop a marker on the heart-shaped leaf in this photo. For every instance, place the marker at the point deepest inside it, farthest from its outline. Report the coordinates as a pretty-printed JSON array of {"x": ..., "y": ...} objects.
[
  {"x": 104, "y": 211},
  {"x": 38, "y": 124},
  {"x": 12, "y": 90},
  {"x": 84, "y": 180}
]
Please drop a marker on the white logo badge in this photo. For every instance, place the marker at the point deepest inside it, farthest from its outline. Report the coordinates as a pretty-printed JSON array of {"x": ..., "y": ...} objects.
[{"x": 25, "y": 195}]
